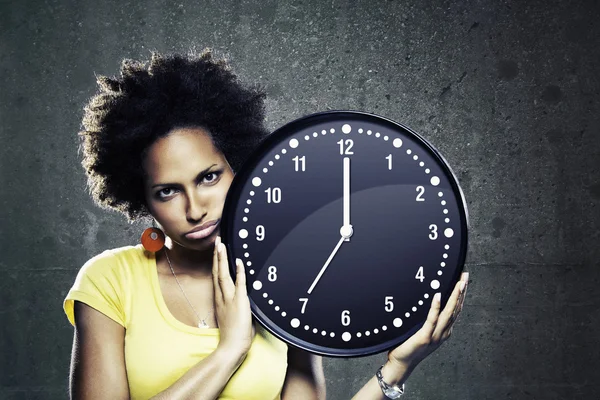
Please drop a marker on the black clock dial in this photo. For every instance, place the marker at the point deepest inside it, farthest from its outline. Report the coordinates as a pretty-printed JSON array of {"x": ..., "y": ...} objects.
[{"x": 348, "y": 224}]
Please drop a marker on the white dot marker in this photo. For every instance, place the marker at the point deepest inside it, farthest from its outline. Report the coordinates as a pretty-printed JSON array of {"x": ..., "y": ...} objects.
[
  {"x": 397, "y": 143},
  {"x": 358, "y": 334},
  {"x": 294, "y": 143},
  {"x": 426, "y": 295},
  {"x": 397, "y": 322},
  {"x": 271, "y": 302},
  {"x": 270, "y": 163},
  {"x": 295, "y": 322},
  {"x": 445, "y": 211},
  {"x": 257, "y": 285},
  {"x": 265, "y": 295},
  {"x": 283, "y": 151},
  {"x": 306, "y": 327},
  {"x": 420, "y": 302},
  {"x": 323, "y": 333},
  {"x": 427, "y": 170},
  {"x": 367, "y": 333},
  {"x": 315, "y": 330},
  {"x": 245, "y": 246},
  {"x": 435, "y": 284},
  {"x": 448, "y": 232},
  {"x": 283, "y": 314},
  {"x": 315, "y": 134},
  {"x": 409, "y": 151},
  {"x": 386, "y": 138},
  {"x": 346, "y": 128},
  {"x": 265, "y": 170},
  {"x": 243, "y": 233},
  {"x": 332, "y": 334},
  {"x": 447, "y": 246},
  {"x": 251, "y": 272},
  {"x": 360, "y": 130},
  {"x": 440, "y": 272},
  {"x": 277, "y": 156},
  {"x": 440, "y": 194},
  {"x": 332, "y": 130},
  {"x": 346, "y": 336},
  {"x": 246, "y": 210},
  {"x": 435, "y": 180},
  {"x": 376, "y": 331},
  {"x": 306, "y": 137},
  {"x": 415, "y": 157},
  {"x": 421, "y": 164},
  {"x": 384, "y": 328},
  {"x": 276, "y": 308},
  {"x": 256, "y": 181},
  {"x": 324, "y": 132},
  {"x": 249, "y": 201},
  {"x": 447, "y": 220},
  {"x": 377, "y": 134},
  {"x": 442, "y": 264},
  {"x": 414, "y": 309},
  {"x": 407, "y": 314},
  {"x": 245, "y": 219}
]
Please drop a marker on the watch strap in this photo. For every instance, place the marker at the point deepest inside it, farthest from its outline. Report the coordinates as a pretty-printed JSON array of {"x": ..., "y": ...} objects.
[{"x": 389, "y": 391}]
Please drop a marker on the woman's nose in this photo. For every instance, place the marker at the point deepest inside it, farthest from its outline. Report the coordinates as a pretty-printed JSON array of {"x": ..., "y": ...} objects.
[{"x": 196, "y": 209}]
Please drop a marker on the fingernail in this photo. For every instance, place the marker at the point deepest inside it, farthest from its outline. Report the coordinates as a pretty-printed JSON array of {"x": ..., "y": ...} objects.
[
  {"x": 221, "y": 247},
  {"x": 437, "y": 297},
  {"x": 217, "y": 241},
  {"x": 465, "y": 276},
  {"x": 462, "y": 286}
]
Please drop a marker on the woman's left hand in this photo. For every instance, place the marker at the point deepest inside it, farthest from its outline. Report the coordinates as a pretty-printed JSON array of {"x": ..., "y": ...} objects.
[{"x": 436, "y": 330}]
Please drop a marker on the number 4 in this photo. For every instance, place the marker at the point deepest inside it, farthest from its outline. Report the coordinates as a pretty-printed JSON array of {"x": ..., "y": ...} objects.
[{"x": 420, "y": 275}]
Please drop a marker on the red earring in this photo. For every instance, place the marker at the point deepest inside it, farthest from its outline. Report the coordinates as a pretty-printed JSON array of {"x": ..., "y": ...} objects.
[{"x": 153, "y": 239}]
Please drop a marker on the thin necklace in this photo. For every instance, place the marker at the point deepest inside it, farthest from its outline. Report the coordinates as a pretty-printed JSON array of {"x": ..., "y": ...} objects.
[{"x": 202, "y": 323}]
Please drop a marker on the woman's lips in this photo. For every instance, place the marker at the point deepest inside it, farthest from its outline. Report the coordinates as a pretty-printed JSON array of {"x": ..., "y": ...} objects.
[{"x": 203, "y": 233}]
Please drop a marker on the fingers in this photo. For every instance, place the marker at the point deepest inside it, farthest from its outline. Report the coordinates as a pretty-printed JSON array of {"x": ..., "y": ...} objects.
[
  {"x": 215, "y": 271},
  {"x": 451, "y": 311},
  {"x": 432, "y": 317},
  {"x": 224, "y": 282},
  {"x": 240, "y": 280}
]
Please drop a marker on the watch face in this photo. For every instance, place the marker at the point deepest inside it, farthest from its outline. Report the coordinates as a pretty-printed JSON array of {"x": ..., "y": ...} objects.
[{"x": 348, "y": 224}]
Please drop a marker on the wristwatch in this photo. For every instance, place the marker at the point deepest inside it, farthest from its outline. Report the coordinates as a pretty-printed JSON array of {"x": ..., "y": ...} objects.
[{"x": 391, "y": 392}]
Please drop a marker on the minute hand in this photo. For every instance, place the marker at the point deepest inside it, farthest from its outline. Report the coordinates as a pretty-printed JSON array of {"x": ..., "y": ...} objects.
[{"x": 326, "y": 264}]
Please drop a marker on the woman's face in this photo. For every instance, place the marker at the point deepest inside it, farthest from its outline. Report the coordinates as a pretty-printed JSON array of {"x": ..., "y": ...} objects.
[{"x": 187, "y": 180}]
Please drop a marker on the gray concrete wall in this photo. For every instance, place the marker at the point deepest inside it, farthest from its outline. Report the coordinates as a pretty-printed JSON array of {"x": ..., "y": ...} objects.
[{"x": 508, "y": 91}]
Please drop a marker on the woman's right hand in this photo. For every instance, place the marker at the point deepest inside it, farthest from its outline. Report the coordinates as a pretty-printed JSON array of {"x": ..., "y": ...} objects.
[{"x": 232, "y": 306}]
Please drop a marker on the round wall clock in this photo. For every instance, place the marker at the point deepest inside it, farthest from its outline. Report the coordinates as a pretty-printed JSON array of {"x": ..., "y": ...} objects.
[{"x": 348, "y": 224}]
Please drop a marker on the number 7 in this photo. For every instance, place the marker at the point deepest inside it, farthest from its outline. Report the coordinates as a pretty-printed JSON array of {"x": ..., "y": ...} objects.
[{"x": 305, "y": 300}]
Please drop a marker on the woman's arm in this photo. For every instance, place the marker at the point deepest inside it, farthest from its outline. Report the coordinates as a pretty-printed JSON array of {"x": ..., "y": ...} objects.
[
  {"x": 403, "y": 359},
  {"x": 304, "y": 379},
  {"x": 98, "y": 363}
]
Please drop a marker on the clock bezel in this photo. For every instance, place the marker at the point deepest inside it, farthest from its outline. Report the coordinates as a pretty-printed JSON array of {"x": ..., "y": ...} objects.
[{"x": 280, "y": 135}]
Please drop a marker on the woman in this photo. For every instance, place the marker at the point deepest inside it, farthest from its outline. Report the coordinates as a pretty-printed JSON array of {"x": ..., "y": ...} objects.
[{"x": 163, "y": 142}]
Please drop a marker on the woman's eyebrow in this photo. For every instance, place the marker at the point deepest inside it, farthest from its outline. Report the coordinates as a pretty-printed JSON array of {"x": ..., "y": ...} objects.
[{"x": 204, "y": 171}]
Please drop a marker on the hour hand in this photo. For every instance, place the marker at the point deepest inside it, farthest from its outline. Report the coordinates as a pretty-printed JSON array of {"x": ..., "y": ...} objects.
[
  {"x": 346, "y": 230},
  {"x": 337, "y": 247}
]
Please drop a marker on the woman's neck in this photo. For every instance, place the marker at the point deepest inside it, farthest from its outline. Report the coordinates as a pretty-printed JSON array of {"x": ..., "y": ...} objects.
[{"x": 189, "y": 261}]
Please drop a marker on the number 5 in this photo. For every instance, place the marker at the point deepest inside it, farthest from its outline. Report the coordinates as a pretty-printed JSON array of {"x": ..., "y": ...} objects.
[{"x": 389, "y": 305}]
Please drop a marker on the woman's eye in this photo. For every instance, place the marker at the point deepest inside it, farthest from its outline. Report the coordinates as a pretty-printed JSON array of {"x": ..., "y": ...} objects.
[
  {"x": 166, "y": 192},
  {"x": 211, "y": 177}
]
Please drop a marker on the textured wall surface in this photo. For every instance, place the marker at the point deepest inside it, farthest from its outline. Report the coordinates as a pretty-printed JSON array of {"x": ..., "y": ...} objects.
[{"x": 507, "y": 91}]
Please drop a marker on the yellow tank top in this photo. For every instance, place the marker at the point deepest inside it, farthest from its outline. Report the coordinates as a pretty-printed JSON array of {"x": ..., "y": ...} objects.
[{"x": 123, "y": 284}]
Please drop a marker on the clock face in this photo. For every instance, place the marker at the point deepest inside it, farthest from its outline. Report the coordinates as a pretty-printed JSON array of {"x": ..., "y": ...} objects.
[{"x": 347, "y": 224}]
